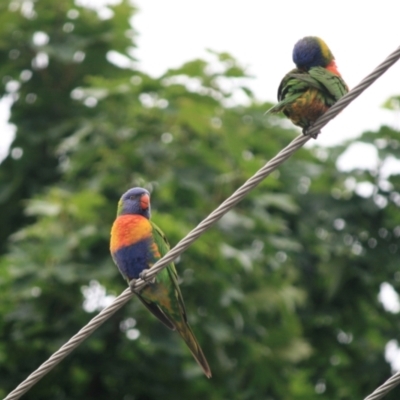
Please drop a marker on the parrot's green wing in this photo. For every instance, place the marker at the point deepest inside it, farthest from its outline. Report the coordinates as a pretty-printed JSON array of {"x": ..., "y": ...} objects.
[
  {"x": 333, "y": 83},
  {"x": 289, "y": 90},
  {"x": 300, "y": 82},
  {"x": 325, "y": 81},
  {"x": 157, "y": 312},
  {"x": 164, "y": 298},
  {"x": 297, "y": 82},
  {"x": 170, "y": 274},
  {"x": 163, "y": 246},
  {"x": 176, "y": 312}
]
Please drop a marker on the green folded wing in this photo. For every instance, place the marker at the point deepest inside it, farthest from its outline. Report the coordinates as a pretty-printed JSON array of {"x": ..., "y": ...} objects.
[
  {"x": 297, "y": 82},
  {"x": 157, "y": 312},
  {"x": 163, "y": 246},
  {"x": 301, "y": 82},
  {"x": 290, "y": 89},
  {"x": 334, "y": 84}
]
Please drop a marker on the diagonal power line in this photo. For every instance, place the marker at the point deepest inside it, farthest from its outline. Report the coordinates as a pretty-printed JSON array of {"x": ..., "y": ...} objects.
[
  {"x": 385, "y": 388},
  {"x": 228, "y": 204}
]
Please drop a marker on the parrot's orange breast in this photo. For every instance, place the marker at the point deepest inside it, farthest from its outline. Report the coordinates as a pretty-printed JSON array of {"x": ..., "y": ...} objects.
[{"x": 128, "y": 230}]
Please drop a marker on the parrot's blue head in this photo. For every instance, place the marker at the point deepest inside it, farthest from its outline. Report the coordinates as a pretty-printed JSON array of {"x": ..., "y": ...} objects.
[
  {"x": 311, "y": 51},
  {"x": 135, "y": 201}
]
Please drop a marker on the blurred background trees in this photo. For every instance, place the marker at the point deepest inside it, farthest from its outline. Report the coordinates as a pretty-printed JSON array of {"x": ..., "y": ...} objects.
[{"x": 282, "y": 293}]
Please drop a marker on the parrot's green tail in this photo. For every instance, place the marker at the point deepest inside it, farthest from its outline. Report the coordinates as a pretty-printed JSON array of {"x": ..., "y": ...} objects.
[{"x": 188, "y": 336}]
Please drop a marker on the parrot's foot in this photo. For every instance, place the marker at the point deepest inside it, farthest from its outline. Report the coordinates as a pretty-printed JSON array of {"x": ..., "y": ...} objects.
[
  {"x": 132, "y": 285},
  {"x": 306, "y": 130},
  {"x": 143, "y": 274}
]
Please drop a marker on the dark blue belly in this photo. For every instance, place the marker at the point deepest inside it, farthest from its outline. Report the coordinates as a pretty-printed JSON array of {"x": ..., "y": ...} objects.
[{"x": 133, "y": 259}]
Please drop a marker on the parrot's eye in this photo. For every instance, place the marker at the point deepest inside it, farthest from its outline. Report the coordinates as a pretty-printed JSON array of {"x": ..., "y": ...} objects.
[{"x": 133, "y": 197}]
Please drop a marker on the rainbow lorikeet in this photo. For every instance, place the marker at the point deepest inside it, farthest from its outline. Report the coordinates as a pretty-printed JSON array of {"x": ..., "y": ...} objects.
[
  {"x": 137, "y": 244},
  {"x": 306, "y": 92}
]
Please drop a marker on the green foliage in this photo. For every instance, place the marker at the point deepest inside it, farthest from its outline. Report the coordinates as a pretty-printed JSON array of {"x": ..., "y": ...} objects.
[
  {"x": 281, "y": 292},
  {"x": 48, "y": 53}
]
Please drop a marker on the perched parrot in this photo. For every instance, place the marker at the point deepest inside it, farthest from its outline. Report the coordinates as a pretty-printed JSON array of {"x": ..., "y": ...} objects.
[
  {"x": 306, "y": 92},
  {"x": 136, "y": 244}
]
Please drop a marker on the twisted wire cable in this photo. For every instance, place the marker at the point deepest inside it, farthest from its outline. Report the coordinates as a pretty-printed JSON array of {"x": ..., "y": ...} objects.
[
  {"x": 385, "y": 388},
  {"x": 71, "y": 345},
  {"x": 228, "y": 204}
]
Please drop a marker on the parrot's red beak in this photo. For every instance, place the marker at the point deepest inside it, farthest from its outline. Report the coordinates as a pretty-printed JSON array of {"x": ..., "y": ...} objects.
[{"x": 145, "y": 201}]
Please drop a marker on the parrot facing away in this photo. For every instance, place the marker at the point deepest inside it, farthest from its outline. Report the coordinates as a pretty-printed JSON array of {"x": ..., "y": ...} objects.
[
  {"x": 306, "y": 92},
  {"x": 136, "y": 245}
]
